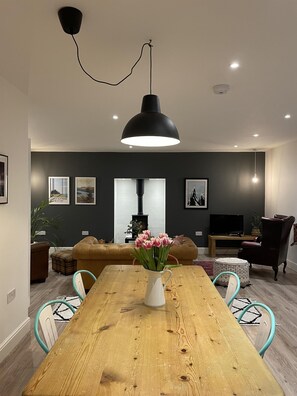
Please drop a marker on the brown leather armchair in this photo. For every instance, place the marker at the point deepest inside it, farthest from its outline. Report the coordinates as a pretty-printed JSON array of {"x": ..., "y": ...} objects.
[
  {"x": 272, "y": 247},
  {"x": 39, "y": 261}
]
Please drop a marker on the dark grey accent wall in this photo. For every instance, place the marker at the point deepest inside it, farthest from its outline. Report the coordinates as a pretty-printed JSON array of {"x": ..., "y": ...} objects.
[{"x": 231, "y": 190}]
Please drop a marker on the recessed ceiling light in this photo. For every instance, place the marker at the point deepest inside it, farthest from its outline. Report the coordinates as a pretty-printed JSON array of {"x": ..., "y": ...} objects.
[
  {"x": 234, "y": 65},
  {"x": 256, "y": 135},
  {"x": 130, "y": 146},
  {"x": 288, "y": 116},
  {"x": 235, "y": 145},
  {"x": 115, "y": 117}
]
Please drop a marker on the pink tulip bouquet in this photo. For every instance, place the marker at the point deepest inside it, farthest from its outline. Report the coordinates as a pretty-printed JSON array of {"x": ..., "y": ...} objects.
[{"x": 152, "y": 252}]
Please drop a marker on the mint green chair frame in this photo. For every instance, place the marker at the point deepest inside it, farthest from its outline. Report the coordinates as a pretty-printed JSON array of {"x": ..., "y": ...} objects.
[
  {"x": 78, "y": 284},
  {"x": 266, "y": 330},
  {"x": 233, "y": 286},
  {"x": 47, "y": 324}
]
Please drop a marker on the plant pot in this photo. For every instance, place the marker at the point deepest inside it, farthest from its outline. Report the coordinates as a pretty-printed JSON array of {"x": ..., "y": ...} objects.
[
  {"x": 256, "y": 231},
  {"x": 154, "y": 296}
]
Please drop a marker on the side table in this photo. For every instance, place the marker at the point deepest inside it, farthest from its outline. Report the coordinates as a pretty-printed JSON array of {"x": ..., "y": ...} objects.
[{"x": 213, "y": 238}]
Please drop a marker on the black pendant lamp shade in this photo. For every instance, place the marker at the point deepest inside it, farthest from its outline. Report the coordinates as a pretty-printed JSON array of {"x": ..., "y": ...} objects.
[{"x": 150, "y": 128}]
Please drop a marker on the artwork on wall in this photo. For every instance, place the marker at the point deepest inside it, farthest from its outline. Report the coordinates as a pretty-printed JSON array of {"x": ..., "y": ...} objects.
[
  {"x": 58, "y": 190},
  {"x": 196, "y": 193},
  {"x": 85, "y": 190},
  {"x": 3, "y": 179}
]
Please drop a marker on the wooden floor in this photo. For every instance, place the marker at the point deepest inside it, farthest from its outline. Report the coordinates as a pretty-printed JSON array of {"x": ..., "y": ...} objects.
[{"x": 281, "y": 357}]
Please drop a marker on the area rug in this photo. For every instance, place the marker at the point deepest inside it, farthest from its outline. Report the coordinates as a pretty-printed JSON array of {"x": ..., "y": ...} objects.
[
  {"x": 61, "y": 312},
  {"x": 251, "y": 317}
]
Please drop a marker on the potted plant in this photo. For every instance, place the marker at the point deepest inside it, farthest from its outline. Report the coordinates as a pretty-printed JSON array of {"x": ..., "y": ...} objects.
[
  {"x": 256, "y": 225},
  {"x": 41, "y": 222},
  {"x": 134, "y": 228},
  {"x": 39, "y": 258}
]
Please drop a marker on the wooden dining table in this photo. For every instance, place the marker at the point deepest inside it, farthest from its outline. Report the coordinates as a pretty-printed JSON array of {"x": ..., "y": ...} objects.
[{"x": 115, "y": 345}]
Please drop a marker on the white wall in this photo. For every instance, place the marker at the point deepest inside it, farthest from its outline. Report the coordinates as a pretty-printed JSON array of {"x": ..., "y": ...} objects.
[
  {"x": 14, "y": 217},
  {"x": 154, "y": 202},
  {"x": 125, "y": 204},
  {"x": 281, "y": 187}
]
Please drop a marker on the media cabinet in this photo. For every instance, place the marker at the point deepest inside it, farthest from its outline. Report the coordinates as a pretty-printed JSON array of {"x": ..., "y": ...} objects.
[{"x": 212, "y": 240}]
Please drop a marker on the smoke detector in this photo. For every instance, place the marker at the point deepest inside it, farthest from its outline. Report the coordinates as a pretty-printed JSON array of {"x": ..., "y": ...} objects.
[{"x": 221, "y": 89}]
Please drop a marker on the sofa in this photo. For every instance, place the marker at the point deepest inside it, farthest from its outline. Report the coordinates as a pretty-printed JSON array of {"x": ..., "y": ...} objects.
[{"x": 94, "y": 256}]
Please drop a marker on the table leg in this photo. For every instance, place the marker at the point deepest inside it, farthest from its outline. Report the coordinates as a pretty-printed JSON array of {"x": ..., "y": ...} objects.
[{"x": 211, "y": 247}]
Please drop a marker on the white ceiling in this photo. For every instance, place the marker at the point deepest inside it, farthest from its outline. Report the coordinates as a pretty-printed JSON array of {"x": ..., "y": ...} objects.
[{"x": 194, "y": 43}]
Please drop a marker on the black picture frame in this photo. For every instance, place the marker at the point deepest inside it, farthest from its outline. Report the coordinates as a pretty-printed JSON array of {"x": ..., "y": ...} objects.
[
  {"x": 196, "y": 193},
  {"x": 3, "y": 179}
]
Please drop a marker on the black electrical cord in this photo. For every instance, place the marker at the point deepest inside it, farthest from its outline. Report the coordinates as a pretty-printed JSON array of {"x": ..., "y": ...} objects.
[
  {"x": 151, "y": 65},
  {"x": 123, "y": 79}
]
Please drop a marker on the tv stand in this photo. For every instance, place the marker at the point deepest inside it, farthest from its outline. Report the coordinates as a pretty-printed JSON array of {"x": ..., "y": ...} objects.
[{"x": 212, "y": 239}]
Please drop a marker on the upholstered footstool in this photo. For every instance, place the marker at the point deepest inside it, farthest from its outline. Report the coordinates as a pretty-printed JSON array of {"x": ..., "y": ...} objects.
[
  {"x": 207, "y": 265},
  {"x": 234, "y": 264},
  {"x": 63, "y": 262}
]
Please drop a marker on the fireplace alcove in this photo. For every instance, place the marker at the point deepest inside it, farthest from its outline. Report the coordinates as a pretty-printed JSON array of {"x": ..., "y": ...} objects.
[{"x": 126, "y": 204}]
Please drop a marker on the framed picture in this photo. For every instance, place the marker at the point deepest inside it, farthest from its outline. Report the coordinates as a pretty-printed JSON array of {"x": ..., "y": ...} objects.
[
  {"x": 58, "y": 190},
  {"x": 196, "y": 193},
  {"x": 3, "y": 179},
  {"x": 85, "y": 190}
]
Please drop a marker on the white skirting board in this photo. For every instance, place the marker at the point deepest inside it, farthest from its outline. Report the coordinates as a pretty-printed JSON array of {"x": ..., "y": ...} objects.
[
  {"x": 292, "y": 265},
  {"x": 14, "y": 338},
  {"x": 55, "y": 249},
  {"x": 204, "y": 250}
]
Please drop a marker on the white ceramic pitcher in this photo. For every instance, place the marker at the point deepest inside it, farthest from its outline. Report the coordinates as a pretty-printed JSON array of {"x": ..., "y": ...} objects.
[{"x": 154, "y": 296}]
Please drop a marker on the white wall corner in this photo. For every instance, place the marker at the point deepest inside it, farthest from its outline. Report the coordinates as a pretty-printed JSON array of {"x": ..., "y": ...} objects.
[{"x": 14, "y": 338}]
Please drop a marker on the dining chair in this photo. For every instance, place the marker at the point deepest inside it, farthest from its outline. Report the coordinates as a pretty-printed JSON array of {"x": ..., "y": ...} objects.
[
  {"x": 45, "y": 319},
  {"x": 266, "y": 328},
  {"x": 232, "y": 288},
  {"x": 78, "y": 283}
]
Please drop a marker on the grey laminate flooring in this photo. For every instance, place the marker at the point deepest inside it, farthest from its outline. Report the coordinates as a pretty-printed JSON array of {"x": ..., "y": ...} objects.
[{"x": 281, "y": 357}]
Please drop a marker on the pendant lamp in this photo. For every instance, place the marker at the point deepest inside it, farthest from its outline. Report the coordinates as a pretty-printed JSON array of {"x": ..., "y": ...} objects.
[
  {"x": 150, "y": 128},
  {"x": 255, "y": 179}
]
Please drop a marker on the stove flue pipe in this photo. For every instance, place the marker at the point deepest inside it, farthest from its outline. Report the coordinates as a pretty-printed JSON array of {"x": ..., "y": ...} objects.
[{"x": 140, "y": 192}]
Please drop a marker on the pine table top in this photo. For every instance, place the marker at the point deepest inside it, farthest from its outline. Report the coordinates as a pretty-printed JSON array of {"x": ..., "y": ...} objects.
[{"x": 115, "y": 345}]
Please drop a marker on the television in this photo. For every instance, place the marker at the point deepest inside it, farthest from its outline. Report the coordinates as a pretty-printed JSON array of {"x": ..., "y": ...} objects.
[{"x": 226, "y": 224}]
